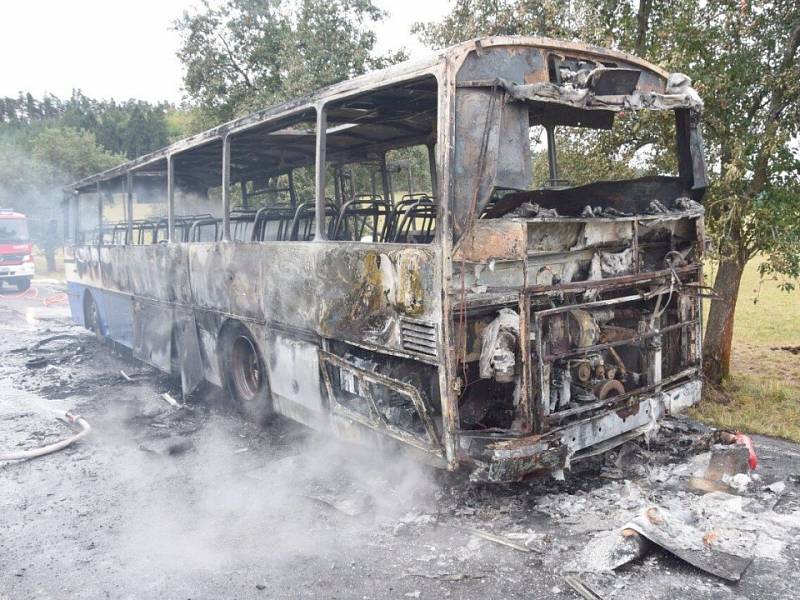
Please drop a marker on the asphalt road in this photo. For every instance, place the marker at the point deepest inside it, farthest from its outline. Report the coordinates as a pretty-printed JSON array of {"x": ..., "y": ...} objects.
[{"x": 198, "y": 503}]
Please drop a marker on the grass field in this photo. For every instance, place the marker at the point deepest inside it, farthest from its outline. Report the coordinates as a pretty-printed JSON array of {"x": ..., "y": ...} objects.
[{"x": 765, "y": 383}]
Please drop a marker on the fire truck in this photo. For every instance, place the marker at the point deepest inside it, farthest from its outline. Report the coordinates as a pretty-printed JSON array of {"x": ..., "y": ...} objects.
[{"x": 16, "y": 259}]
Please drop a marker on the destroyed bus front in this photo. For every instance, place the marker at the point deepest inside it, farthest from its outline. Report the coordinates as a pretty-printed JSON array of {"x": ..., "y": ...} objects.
[{"x": 575, "y": 308}]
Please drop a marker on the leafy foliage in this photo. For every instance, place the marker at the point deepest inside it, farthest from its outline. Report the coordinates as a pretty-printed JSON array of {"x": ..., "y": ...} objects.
[
  {"x": 34, "y": 169},
  {"x": 132, "y": 127},
  {"x": 47, "y": 143},
  {"x": 475, "y": 18},
  {"x": 243, "y": 55}
]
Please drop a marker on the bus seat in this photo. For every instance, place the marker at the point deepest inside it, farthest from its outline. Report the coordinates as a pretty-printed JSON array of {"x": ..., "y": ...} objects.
[
  {"x": 270, "y": 223},
  {"x": 201, "y": 230},
  {"x": 242, "y": 222},
  {"x": 416, "y": 224},
  {"x": 303, "y": 225},
  {"x": 365, "y": 216},
  {"x": 409, "y": 200}
]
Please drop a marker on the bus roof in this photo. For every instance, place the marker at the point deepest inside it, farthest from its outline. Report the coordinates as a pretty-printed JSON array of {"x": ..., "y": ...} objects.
[{"x": 363, "y": 83}]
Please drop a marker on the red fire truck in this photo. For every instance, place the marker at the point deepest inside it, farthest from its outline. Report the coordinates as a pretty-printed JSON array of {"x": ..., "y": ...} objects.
[{"x": 16, "y": 260}]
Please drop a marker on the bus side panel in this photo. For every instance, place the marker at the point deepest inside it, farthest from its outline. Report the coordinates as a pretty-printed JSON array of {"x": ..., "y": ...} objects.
[
  {"x": 294, "y": 378},
  {"x": 227, "y": 278},
  {"x": 116, "y": 311},
  {"x": 208, "y": 327},
  {"x": 152, "y": 333},
  {"x": 190, "y": 359},
  {"x": 75, "y": 295},
  {"x": 157, "y": 271}
]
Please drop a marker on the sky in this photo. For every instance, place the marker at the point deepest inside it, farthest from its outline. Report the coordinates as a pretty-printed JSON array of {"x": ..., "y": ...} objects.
[{"x": 126, "y": 49}]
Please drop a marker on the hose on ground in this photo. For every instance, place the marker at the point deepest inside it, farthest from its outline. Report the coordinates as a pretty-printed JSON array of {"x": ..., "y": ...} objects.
[
  {"x": 32, "y": 293},
  {"x": 55, "y": 447}
]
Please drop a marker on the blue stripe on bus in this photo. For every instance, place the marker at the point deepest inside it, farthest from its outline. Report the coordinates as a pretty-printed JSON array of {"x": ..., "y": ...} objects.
[
  {"x": 116, "y": 311},
  {"x": 75, "y": 295}
]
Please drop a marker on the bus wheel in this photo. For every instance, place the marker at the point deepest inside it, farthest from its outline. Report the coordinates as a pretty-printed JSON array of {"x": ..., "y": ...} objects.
[
  {"x": 245, "y": 373},
  {"x": 23, "y": 283},
  {"x": 91, "y": 315}
]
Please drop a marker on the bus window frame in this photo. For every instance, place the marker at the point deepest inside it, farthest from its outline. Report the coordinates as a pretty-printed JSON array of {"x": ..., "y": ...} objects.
[{"x": 434, "y": 163}]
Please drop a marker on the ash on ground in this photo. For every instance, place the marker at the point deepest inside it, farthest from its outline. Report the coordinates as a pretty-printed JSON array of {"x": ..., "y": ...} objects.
[{"x": 197, "y": 502}]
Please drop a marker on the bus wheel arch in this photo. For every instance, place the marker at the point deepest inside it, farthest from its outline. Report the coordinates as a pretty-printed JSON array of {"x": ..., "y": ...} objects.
[
  {"x": 243, "y": 370},
  {"x": 91, "y": 314}
]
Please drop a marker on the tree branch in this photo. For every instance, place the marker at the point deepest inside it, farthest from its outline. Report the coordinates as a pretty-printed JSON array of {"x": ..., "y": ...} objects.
[
  {"x": 760, "y": 165},
  {"x": 233, "y": 62}
]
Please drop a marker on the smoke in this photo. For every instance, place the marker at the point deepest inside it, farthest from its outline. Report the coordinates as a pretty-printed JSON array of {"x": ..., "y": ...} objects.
[
  {"x": 29, "y": 185},
  {"x": 243, "y": 496},
  {"x": 189, "y": 203}
]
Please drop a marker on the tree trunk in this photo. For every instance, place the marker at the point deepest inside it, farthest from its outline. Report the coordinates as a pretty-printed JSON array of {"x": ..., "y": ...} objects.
[
  {"x": 642, "y": 23},
  {"x": 719, "y": 328}
]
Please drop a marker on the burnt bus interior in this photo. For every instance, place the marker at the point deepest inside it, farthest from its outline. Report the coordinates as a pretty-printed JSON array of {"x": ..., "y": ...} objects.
[
  {"x": 548, "y": 320},
  {"x": 380, "y": 179}
]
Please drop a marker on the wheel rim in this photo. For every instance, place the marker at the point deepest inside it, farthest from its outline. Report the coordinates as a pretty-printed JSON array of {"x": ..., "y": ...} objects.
[
  {"x": 94, "y": 321},
  {"x": 246, "y": 369}
]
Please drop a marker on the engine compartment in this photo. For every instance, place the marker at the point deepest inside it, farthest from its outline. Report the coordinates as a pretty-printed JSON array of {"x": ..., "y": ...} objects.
[{"x": 575, "y": 316}]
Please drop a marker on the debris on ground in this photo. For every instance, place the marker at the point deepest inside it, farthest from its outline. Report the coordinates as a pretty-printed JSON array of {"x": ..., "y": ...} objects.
[
  {"x": 497, "y": 539},
  {"x": 581, "y": 588},
  {"x": 353, "y": 506},
  {"x": 689, "y": 543},
  {"x": 170, "y": 400},
  {"x": 168, "y": 446}
]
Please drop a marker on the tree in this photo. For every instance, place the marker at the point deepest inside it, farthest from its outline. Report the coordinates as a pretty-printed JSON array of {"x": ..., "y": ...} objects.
[
  {"x": 245, "y": 55},
  {"x": 744, "y": 59},
  {"x": 34, "y": 167},
  {"x": 476, "y": 18},
  {"x": 71, "y": 154}
]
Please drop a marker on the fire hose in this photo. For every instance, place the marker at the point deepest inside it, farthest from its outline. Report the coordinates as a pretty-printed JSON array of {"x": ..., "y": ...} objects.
[
  {"x": 55, "y": 447},
  {"x": 32, "y": 293}
]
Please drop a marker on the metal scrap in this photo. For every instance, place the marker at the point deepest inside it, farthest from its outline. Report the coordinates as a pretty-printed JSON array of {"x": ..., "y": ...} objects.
[
  {"x": 689, "y": 544},
  {"x": 497, "y": 539},
  {"x": 581, "y": 588}
]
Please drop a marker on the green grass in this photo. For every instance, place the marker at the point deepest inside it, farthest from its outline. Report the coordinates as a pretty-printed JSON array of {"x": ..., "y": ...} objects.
[
  {"x": 765, "y": 381},
  {"x": 758, "y": 405}
]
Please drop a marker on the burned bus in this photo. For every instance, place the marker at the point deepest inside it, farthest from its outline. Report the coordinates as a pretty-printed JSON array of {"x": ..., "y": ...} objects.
[{"x": 501, "y": 315}]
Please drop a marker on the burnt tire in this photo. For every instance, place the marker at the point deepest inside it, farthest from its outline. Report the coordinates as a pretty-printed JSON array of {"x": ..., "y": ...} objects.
[
  {"x": 244, "y": 373},
  {"x": 91, "y": 315}
]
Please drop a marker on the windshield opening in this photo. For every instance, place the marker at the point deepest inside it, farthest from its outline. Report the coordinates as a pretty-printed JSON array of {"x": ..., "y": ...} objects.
[
  {"x": 639, "y": 144},
  {"x": 13, "y": 230}
]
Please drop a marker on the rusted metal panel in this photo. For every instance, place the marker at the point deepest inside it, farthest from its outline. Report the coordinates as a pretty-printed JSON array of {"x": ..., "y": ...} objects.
[
  {"x": 190, "y": 359},
  {"x": 493, "y": 240}
]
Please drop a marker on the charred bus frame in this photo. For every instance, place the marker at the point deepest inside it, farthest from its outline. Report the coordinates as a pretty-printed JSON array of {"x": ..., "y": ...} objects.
[{"x": 500, "y": 329}]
